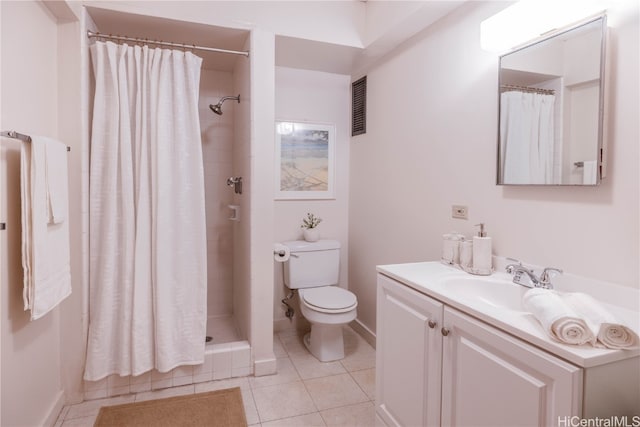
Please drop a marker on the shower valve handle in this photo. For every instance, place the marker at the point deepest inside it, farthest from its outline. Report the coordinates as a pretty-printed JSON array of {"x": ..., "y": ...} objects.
[{"x": 236, "y": 183}]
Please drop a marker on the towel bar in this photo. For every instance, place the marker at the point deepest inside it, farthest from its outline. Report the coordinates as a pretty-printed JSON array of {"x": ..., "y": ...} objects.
[{"x": 22, "y": 137}]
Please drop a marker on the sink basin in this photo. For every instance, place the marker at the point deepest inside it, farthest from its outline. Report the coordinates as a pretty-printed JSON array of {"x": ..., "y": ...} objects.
[{"x": 494, "y": 292}]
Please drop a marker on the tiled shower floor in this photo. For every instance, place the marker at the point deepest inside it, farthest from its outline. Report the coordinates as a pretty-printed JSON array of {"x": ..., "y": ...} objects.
[{"x": 222, "y": 329}]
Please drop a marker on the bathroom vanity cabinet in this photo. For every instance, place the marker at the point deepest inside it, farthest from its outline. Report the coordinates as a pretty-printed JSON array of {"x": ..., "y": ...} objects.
[{"x": 438, "y": 365}]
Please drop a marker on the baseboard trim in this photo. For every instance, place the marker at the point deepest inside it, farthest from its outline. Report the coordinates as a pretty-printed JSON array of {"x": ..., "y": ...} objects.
[
  {"x": 264, "y": 367},
  {"x": 366, "y": 333},
  {"x": 54, "y": 412}
]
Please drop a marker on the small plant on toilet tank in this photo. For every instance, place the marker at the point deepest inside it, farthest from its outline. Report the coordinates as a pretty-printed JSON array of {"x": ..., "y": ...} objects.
[{"x": 309, "y": 227}]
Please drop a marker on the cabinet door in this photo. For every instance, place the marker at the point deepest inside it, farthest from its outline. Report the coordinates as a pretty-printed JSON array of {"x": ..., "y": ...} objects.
[
  {"x": 408, "y": 356},
  {"x": 490, "y": 378}
]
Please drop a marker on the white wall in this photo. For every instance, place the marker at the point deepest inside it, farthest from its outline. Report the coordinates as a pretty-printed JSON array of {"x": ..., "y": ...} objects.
[
  {"x": 316, "y": 97},
  {"x": 262, "y": 78},
  {"x": 431, "y": 143},
  {"x": 31, "y": 384},
  {"x": 381, "y": 16},
  {"x": 72, "y": 129}
]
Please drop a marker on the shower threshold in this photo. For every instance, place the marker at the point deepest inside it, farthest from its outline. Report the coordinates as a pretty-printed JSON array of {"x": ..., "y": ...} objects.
[{"x": 227, "y": 351}]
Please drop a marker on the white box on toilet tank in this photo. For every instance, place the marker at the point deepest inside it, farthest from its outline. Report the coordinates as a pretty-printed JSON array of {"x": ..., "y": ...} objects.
[{"x": 312, "y": 264}]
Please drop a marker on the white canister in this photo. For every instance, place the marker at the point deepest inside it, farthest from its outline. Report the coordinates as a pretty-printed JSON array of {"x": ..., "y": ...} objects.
[
  {"x": 466, "y": 254},
  {"x": 447, "y": 249},
  {"x": 451, "y": 248}
]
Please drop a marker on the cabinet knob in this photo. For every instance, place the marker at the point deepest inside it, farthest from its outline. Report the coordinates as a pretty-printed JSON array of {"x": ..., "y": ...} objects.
[
  {"x": 432, "y": 324},
  {"x": 444, "y": 331}
]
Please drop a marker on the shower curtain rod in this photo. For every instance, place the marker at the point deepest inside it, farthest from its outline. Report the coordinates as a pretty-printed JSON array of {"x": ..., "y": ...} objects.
[
  {"x": 505, "y": 88},
  {"x": 91, "y": 34},
  {"x": 22, "y": 137}
]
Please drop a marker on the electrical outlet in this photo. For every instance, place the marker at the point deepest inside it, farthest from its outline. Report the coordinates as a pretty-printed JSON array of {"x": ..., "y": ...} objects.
[{"x": 459, "y": 211}]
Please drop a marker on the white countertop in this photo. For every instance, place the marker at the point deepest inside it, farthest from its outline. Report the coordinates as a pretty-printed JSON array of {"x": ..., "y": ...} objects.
[{"x": 427, "y": 278}]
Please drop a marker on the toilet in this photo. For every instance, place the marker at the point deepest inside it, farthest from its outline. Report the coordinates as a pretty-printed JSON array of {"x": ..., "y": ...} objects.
[{"x": 313, "y": 269}]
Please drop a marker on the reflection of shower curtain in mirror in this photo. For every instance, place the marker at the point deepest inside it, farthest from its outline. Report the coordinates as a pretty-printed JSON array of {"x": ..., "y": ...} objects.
[
  {"x": 527, "y": 138},
  {"x": 147, "y": 241}
]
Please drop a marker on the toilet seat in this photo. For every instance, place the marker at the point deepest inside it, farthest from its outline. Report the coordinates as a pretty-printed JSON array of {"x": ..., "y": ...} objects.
[{"x": 329, "y": 299}]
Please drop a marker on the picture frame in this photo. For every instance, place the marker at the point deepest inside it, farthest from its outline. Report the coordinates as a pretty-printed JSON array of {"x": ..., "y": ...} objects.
[{"x": 305, "y": 160}]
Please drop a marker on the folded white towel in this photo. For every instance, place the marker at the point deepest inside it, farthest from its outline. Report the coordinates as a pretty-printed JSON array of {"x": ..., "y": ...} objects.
[
  {"x": 557, "y": 318},
  {"x": 45, "y": 245},
  {"x": 604, "y": 325}
]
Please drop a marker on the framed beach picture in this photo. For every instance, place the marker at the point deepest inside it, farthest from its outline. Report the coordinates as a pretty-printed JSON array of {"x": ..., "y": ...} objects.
[{"x": 305, "y": 160}]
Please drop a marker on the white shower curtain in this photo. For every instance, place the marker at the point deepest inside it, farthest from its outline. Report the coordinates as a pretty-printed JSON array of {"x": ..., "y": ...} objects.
[
  {"x": 527, "y": 138},
  {"x": 147, "y": 236}
]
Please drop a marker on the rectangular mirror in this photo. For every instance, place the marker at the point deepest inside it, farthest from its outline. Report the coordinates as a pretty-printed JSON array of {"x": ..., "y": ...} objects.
[{"x": 551, "y": 109}]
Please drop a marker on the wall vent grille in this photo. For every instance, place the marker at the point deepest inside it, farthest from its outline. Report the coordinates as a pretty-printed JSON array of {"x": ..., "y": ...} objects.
[{"x": 359, "y": 106}]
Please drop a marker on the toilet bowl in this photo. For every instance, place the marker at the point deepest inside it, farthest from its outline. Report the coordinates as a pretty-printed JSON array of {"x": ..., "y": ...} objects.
[
  {"x": 313, "y": 271},
  {"x": 327, "y": 309}
]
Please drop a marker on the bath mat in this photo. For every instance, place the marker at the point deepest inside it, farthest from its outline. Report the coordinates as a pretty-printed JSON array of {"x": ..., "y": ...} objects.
[{"x": 221, "y": 408}]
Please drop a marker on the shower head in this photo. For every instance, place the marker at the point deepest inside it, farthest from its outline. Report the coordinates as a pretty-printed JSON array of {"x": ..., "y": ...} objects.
[{"x": 218, "y": 107}]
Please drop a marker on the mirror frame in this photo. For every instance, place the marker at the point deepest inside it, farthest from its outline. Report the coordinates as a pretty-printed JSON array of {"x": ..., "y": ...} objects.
[{"x": 600, "y": 156}]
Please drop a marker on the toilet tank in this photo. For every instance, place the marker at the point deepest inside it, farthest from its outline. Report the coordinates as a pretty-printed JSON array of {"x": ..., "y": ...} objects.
[{"x": 312, "y": 264}]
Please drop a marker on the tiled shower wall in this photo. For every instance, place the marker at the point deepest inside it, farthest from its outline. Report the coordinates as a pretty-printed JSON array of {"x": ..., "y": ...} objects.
[{"x": 217, "y": 150}]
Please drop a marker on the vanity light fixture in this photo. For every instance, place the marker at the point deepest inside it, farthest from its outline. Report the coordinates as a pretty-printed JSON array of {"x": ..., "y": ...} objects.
[{"x": 527, "y": 20}]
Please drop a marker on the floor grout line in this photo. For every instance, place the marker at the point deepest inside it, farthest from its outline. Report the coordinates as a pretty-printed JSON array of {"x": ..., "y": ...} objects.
[
  {"x": 63, "y": 416},
  {"x": 304, "y": 384}
]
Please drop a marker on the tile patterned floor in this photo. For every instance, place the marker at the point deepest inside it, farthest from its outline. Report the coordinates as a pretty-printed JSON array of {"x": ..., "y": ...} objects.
[{"x": 304, "y": 392}]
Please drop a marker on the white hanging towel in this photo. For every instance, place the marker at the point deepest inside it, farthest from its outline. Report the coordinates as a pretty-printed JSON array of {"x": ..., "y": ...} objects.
[
  {"x": 57, "y": 180},
  {"x": 45, "y": 231}
]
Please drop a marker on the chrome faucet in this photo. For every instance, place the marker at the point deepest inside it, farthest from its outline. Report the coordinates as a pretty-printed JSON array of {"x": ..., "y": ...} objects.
[
  {"x": 546, "y": 275},
  {"x": 519, "y": 272}
]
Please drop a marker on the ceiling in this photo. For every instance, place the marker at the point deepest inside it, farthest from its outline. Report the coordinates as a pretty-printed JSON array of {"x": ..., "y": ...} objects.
[{"x": 290, "y": 51}]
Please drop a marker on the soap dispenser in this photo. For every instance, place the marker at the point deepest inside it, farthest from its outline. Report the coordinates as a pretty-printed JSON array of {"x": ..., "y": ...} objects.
[{"x": 482, "y": 253}]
